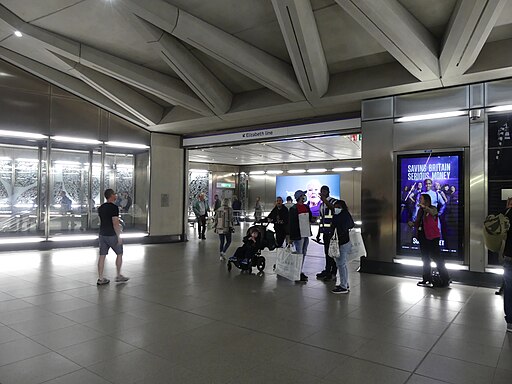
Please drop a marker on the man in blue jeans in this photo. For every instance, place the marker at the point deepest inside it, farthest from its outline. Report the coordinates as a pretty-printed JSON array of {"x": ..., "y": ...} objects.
[{"x": 507, "y": 270}]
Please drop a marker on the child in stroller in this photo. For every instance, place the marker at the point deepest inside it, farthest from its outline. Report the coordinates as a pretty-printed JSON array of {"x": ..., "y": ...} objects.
[{"x": 249, "y": 254}]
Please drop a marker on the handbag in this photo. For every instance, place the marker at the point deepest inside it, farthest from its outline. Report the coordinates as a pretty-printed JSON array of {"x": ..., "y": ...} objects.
[
  {"x": 288, "y": 264},
  {"x": 358, "y": 249},
  {"x": 334, "y": 247}
]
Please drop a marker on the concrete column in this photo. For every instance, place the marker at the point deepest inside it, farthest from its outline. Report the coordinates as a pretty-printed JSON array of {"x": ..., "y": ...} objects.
[{"x": 167, "y": 185}]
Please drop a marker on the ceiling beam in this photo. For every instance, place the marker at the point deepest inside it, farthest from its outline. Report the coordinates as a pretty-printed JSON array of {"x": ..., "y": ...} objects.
[
  {"x": 165, "y": 87},
  {"x": 228, "y": 49},
  {"x": 138, "y": 105},
  {"x": 470, "y": 26},
  {"x": 68, "y": 83},
  {"x": 300, "y": 32},
  {"x": 199, "y": 79},
  {"x": 399, "y": 33}
]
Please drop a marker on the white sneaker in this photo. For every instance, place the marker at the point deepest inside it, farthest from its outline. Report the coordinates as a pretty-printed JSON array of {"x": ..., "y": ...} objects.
[{"x": 222, "y": 256}]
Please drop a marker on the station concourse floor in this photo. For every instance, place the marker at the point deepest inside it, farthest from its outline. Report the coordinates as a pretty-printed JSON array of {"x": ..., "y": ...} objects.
[{"x": 182, "y": 318}]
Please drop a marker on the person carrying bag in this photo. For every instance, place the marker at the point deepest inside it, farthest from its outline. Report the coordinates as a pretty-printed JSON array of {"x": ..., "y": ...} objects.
[{"x": 342, "y": 222}]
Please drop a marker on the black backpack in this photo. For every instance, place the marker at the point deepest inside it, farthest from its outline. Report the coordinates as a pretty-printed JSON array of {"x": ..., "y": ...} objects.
[{"x": 436, "y": 280}]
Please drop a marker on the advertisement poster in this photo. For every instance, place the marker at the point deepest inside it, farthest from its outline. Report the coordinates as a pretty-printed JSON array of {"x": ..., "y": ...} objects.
[
  {"x": 440, "y": 176},
  {"x": 287, "y": 185}
]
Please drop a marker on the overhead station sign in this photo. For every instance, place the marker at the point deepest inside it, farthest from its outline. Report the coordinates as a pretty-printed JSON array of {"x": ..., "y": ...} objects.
[{"x": 331, "y": 127}]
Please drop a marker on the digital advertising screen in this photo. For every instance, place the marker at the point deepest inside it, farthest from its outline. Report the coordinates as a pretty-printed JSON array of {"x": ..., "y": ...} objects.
[
  {"x": 441, "y": 176},
  {"x": 287, "y": 185}
]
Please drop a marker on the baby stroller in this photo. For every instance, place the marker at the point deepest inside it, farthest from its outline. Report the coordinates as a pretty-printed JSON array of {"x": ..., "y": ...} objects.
[{"x": 249, "y": 254}]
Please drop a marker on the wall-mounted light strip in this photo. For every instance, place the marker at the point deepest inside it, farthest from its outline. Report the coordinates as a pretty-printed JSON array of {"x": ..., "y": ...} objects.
[
  {"x": 133, "y": 235},
  {"x": 497, "y": 271},
  {"x": 21, "y": 240},
  {"x": 430, "y": 116},
  {"x": 194, "y": 170},
  {"x": 77, "y": 140},
  {"x": 500, "y": 108},
  {"x": 317, "y": 170},
  {"x": 22, "y": 135},
  {"x": 358, "y": 169},
  {"x": 126, "y": 145},
  {"x": 419, "y": 263},
  {"x": 74, "y": 238},
  {"x": 297, "y": 171},
  {"x": 274, "y": 172},
  {"x": 347, "y": 169}
]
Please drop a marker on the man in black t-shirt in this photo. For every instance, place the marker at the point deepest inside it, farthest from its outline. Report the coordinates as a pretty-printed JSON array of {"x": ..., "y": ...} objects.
[{"x": 110, "y": 237}]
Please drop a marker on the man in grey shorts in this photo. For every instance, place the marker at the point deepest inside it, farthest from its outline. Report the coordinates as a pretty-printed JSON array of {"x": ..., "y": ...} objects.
[{"x": 110, "y": 237}]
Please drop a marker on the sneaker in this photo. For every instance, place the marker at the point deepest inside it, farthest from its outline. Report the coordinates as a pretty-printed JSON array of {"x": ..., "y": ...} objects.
[
  {"x": 303, "y": 277},
  {"x": 321, "y": 275},
  {"x": 424, "y": 283},
  {"x": 122, "y": 279},
  {"x": 509, "y": 327},
  {"x": 222, "y": 256},
  {"x": 339, "y": 289},
  {"x": 102, "y": 281}
]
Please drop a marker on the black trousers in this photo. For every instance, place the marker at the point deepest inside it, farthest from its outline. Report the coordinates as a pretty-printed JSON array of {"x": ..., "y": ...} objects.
[
  {"x": 430, "y": 251},
  {"x": 330, "y": 263},
  {"x": 280, "y": 235},
  {"x": 201, "y": 222}
]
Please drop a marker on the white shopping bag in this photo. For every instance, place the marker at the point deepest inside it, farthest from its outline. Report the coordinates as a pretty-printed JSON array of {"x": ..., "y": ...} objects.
[
  {"x": 288, "y": 264},
  {"x": 358, "y": 248}
]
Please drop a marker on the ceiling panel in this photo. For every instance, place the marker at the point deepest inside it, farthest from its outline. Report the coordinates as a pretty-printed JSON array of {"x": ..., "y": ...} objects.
[
  {"x": 285, "y": 151},
  {"x": 29, "y": 10},
  {"x": 232, "y": 16},
  {"x": 342, "y": 37},
  {"x": 100, "y": 25},
  {"x": 433, "y": 14}
]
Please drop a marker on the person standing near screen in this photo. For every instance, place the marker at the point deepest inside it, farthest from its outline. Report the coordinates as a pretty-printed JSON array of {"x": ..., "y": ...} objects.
[
  {"x": 326, "y": 210},
  {"x": 300, "y": 218},
  {"x": 289, "y": 202}
]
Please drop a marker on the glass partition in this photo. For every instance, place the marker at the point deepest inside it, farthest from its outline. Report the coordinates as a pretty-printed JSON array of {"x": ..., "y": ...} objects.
[{"x": 19, "y": 190}]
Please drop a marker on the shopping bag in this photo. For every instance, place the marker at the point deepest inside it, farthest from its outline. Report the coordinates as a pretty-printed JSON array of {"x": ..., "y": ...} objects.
[
  {"x": 358, "y": 249},
  {"x": 288, "y": 264},
  {"x": 334, "y": 247},
  {"x": 210, "y": 223}
]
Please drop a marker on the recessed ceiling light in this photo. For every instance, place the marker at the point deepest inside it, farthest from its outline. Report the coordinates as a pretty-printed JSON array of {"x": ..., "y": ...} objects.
[{"x": 18, "y": 33}]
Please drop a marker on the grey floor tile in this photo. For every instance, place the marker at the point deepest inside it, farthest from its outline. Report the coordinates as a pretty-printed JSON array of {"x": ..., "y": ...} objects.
[
  {"x": 407, "y": 338},
  {"x": 66, "y": 337},
  {"x": 502, "y": 376},
  {"x": 79, "y": 377},
  {"x": 37, "y": 369},
  {"x": 505, "y": 359},
  {"x": 42, "y": 325},
  {"x": 7, "y": 334},
  {"x": 20, "y": 349},
  {"x": 391, "y": 355},
  {"x": 336, "y": 342},
  {"x": 455, "y": 371},
  {"x": 273, "y": 373},
  {"x": 314, "y": 361},
  {"x": 417, "y": 379},
  {"x": 468, "y": 351},
  {"x": 356, "y": 371},
  {"x": 476, "y": 334},
  {"x": 132, "y": 367},
  {"x": 95, "y": 351}
]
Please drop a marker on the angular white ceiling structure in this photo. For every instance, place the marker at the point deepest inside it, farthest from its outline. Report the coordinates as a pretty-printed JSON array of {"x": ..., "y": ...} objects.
[{"x": 195, "y": 66}]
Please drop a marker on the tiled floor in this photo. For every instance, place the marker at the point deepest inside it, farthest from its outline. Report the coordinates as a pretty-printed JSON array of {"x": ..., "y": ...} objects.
[{"x": 182, "y": 318}]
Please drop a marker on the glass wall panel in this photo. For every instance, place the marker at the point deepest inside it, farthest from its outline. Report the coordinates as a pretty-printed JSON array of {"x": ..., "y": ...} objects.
[
  {"x": 69, "y": 191},
  {"x": 19, "y": 191}
]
